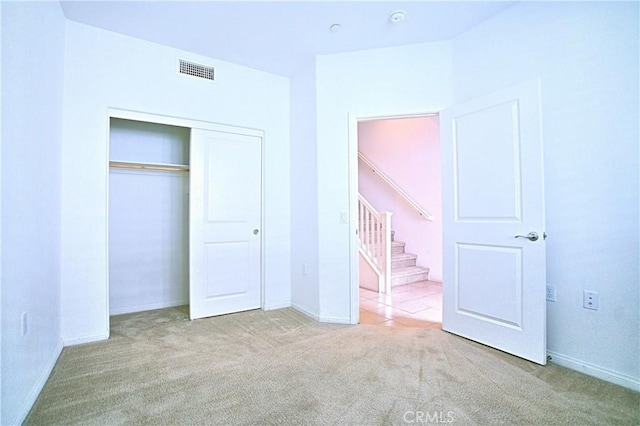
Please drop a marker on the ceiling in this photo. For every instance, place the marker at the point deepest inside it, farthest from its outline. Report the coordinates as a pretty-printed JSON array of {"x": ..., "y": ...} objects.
[{"x": 277, "y": 36}]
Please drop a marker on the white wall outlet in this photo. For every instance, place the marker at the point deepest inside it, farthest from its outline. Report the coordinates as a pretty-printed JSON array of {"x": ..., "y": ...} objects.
[
  {"x": 304, "y": 269},
  {"x": 590, "y": 300},
  {"x": 25, "y": 328},
  {"x": 551, "y": 293}
]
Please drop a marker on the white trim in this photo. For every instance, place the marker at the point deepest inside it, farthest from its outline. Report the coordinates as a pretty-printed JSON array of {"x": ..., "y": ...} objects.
[
  {"x": 336, "y": 320},
  {"x": 354, "y": 118},
  {"x": 182, "y": 122},
  {"x": 593, "y": 370},
  {"x": 354, "y": 243},
  {"x": 275, "y": 306},
  {"x": 39, "y": 384},
  {"x": 86, "y": 339},
  {"x": 305, "y": 311},
  {"x": 319, "y": 318}
]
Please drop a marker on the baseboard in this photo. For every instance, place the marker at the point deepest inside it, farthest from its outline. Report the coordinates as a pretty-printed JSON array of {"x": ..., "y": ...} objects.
[
  {"x": 595, "y": 371},
  {"x": 37, "y": 388},
  {"x": 274, "y": 306},
  {"x": 335, "y": 320},
  {"x": 305, "y": 311},
  {"x": 330, "y": 320},
  {"x": 147, "y": 307},
  {"x": 86, "y": 339}
]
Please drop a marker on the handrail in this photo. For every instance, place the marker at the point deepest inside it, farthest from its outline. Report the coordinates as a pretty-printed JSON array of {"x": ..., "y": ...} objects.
[{"x": 421, "y": 211}]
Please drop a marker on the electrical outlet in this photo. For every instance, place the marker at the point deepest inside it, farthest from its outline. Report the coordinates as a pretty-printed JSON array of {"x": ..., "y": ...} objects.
[
  {"x": 551, "y": 293},
  {"x": 590, "y": 300},
  {"x": 304, "y": 269}
]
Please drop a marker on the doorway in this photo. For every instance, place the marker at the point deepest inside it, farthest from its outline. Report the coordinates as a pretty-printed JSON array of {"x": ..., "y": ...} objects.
[{"x": 398, "y": 170}]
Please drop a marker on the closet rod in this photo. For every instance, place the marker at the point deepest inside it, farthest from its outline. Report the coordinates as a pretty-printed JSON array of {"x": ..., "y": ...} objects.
[{"x": 139, "y": 166}]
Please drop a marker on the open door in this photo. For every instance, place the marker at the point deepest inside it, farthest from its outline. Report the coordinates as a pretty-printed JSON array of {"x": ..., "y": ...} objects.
[
  {"x": 225, "y": 223},
  {"x": 494, "y": 267}
]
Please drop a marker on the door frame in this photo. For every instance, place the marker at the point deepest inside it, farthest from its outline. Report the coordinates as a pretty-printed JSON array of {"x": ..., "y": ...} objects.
[
  {"x": 354, "y": 265},
  {"x": 191, "y": 124}
]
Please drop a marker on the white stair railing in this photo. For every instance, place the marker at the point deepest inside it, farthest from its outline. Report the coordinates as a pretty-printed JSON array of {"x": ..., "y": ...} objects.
[
  {"x": 374, "y": 232},
  {"x": 414, "y": 204}
]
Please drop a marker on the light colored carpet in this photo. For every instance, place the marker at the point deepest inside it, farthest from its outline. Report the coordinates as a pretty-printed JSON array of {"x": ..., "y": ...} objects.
[{"x": 280, "y": 367}]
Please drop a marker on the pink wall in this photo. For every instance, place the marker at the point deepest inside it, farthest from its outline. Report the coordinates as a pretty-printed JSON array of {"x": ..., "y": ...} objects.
[{"x": 407, "y": 150}]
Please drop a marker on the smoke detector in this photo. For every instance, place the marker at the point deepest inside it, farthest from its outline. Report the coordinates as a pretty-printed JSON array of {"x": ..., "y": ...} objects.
[{"x": 397, "y": 16}]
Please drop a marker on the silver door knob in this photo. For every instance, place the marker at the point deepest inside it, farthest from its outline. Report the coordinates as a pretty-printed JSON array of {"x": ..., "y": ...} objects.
[
  {"x": 255, "y": 232},
  {"x": 531, "y": 236}
]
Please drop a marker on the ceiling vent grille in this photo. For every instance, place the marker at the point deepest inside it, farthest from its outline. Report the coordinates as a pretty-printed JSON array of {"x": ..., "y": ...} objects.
[{"x": 197, "y": 70}]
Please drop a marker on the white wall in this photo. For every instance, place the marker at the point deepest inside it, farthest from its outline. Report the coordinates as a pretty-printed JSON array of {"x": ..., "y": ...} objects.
[
  {"x": 304, "y": 192},
  {"x": 105, "y": 69},
  {"x": 148, "y": 218},
  {"x": 32, "y": 92},
  {"x": 380, "y": 82},
  {"x": 407, "y": 150},
  {"x": 586, "y": 55}
]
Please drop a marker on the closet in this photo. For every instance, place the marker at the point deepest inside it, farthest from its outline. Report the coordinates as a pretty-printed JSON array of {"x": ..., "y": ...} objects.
[
  {"x": 185, "y": 216},
  {"x": 148, "y": 216}
]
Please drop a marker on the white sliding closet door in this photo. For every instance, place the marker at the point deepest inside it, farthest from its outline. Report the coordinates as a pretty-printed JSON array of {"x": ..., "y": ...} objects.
[{"x": 225, "y": 223}]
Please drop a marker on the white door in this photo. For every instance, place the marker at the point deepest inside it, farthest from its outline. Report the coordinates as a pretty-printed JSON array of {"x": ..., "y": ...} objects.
[
  {"x": 492, "y": 178},
  {"x": 225, "y": 223}
]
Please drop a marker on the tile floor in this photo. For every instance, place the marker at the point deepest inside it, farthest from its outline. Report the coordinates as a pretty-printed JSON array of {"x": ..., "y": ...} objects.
[{"x": 412, "y": 305}]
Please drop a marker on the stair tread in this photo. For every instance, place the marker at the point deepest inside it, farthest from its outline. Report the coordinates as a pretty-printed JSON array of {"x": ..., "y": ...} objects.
[
  {"x": 409, "y": 270},
  {"x": 400, "y": 256},
  {"x": 397, "y": 243}
]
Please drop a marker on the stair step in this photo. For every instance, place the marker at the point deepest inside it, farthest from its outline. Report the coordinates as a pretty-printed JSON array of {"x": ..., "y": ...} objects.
[
  {"x": 397, "y": 247},
  {"x": 408, "y": 275},
  {"x": 403, "y": 260}
]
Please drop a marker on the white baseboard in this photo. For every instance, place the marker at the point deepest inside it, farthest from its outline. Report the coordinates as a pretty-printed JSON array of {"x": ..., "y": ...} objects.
[
  {"x": 330, "y": 320},
  {"x": 274, "y": 306},
  {"x": 595, "y": 371},
  {"x": 305, "y": 311},
  {"x": 335, "y": 320},
  {"x": 37, "y": 388},
  {"x": 86, "y": 339},
  {"x": 147, "y": 307}
]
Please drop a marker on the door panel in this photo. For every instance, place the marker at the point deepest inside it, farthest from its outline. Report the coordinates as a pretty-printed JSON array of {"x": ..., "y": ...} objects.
[
  {"x": 225, "y": 223},
  {"x": 494, "y": 283},
  {"x": 490, "y": 192},
  {"x": 487, "y": 277}
]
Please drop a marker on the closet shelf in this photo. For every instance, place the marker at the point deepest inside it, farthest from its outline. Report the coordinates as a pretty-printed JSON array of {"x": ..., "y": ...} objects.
[{"x": 149, "y": 166}]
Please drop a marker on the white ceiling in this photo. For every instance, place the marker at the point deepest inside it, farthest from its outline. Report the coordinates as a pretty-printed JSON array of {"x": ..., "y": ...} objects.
[{"x": 276, "y": 36}]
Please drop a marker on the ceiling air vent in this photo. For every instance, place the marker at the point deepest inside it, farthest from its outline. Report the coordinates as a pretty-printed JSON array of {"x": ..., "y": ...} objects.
[{"x": 196, "y": 70}]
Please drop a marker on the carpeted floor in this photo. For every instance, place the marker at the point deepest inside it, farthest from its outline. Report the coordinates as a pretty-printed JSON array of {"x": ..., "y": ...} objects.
[{"x": 280, "y": 367}]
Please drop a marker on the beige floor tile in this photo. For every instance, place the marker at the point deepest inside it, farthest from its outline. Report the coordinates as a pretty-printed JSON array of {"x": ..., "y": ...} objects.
[
  {"x": 367, "y": 317},
  {"x": 367, "y": 294},
  {"x": 371, "y": 304},
  {"x": 412, "y": 305},
  {"x": 401, "y": 289},
  {"x": 432, "y": 315}
]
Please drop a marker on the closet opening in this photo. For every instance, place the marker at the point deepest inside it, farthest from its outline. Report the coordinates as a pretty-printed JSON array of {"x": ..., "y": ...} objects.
[
  {"x": 185, "y": 216},
  {"x": 148, "y": 216}
]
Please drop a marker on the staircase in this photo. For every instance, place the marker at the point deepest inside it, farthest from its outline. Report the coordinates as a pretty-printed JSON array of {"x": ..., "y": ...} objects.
[
  {"x": 403, "y": 265},
  {"x": 385, "y": 255}
]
